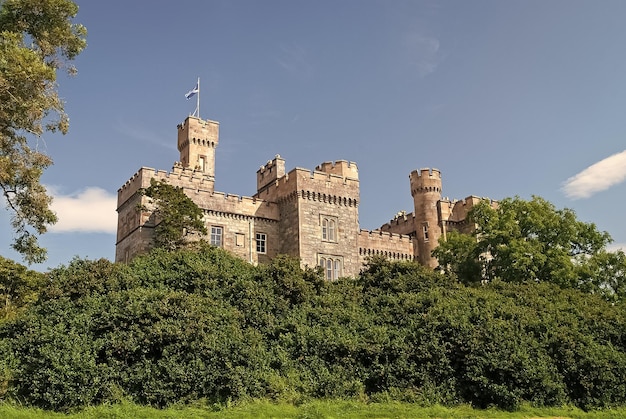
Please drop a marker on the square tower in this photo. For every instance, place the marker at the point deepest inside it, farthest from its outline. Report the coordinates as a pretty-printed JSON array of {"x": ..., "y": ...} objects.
[{"x": 197, "y": 140}]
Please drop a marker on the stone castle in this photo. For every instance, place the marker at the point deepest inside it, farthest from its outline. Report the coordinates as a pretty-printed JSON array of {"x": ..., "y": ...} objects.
[{"x": 312, "y": 215}]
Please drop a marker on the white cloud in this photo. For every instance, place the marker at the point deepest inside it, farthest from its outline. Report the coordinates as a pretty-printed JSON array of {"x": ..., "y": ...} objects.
[
  {"x": 597, "y": 177},
  {"x": 89, "y": 211}
]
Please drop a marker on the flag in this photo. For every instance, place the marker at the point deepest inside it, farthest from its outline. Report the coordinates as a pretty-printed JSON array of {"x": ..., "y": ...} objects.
[{"x": 192, "y": 92}]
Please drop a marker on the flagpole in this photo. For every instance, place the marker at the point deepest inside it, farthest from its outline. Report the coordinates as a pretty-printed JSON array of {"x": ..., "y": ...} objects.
[{"x": 198, "y": 100}]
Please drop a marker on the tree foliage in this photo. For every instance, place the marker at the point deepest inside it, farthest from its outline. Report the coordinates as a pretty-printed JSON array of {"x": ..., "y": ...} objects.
[
  {"x": 37, "y": 38},
  {"x": 19, "y": 286},
  {"x": 202, "y": 325},
  {"x": 533, "y": 241},
  {"x": 176, "y": 216}
]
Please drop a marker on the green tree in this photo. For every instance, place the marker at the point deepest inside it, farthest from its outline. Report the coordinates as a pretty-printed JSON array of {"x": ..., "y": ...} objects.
[
  {"x": 37, "y": 38},
  {"x": 530, "y": 241},
  {"x": 177, "y": 217},
  {"x": 18, "y": 286}
]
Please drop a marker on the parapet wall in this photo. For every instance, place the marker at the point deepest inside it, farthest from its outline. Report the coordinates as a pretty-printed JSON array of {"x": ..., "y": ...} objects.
[
  {"x": 179, "y": 176},
  {"x": 305, "y": 180},
  {"x": 221, "y": 203},
  {"x": 462, "y": 207},
  {"x": 199, "y": 129},
  {"x": 341, "y": 168},
  {"x": 402, "y": 223},
  {"x": 270, "y": 172},
  {"x": 425, "y": 180},
  {"x": 390, "y": 245}
]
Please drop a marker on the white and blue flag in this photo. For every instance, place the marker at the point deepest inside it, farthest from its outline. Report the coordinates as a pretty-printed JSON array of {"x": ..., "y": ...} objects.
[{"x": 192, "y": 92}]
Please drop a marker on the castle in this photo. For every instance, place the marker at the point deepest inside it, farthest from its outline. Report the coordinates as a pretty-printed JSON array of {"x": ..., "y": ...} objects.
[{"x": 312, "y": 215}]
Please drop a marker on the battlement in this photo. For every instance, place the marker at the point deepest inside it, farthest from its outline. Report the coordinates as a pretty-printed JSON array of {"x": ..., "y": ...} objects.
[
  {"x": 386, "y": 244},
  {"x": 461, "y": 207},
  {"x": 199, "y": 129},
  {"x": 401, "y": 223},
  {"x": 268, "y": 173},
  {"x": 299, "y": 179},
  {"x": 179, "y": 176},
  {"x": 341, "y": 168},
  {"x": 425, "y": 180},
  {"x": 383, "y": 236},
  {"x": 225, "y": 203}
]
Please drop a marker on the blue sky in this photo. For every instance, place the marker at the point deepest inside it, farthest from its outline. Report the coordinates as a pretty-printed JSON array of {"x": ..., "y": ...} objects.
[{"x": 505, "y": 98}]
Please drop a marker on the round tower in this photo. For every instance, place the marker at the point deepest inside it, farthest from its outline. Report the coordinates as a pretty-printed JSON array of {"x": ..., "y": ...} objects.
[
  {"x": 197, "y": 140},
  {"x": 426, "y": 192}
]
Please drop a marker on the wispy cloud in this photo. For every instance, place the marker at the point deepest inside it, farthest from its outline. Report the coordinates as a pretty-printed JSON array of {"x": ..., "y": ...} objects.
[
  {"x": 141, "y": 134},
  {"x": 424, "y": 52},
  {"x": 89, "y": 211},
  {"x": 294, "y": 60},
  {"x": 597, "y": 177}
]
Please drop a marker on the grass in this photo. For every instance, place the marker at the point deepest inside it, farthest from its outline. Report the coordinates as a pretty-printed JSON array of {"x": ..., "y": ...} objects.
[{"x": 319, "y": 409}]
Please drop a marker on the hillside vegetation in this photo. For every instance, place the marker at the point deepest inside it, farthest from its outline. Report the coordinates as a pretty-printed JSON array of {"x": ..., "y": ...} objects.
[{"x": 201, "y": 325}]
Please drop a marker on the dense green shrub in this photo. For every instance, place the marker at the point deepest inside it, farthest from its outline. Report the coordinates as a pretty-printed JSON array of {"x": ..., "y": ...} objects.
[{"x": 200, "y": 324}]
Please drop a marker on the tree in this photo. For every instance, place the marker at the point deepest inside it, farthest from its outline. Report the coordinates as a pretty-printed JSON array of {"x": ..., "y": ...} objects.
[
  {"x": 18, "y": 286},
  {"x": 37, "y": 38},
  {"x": 176, "y": 215},
  {"x": 530, "y": 241}
]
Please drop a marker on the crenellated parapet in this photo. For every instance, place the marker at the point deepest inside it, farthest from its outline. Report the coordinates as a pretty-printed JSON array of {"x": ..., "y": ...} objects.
[
  {"x": 401, "y": 223},
  {"x": 425, "y": 180},
  {"x": 222, "y": 203},
  {"x": 270, "y": 172},
  {"x": 313, "y": 184},
  {"x": 199, "y": 132},
  {"x": 342, "y": 168},
  {"x": 387, "y": 244},
  {"x": 179, "y": 177}
]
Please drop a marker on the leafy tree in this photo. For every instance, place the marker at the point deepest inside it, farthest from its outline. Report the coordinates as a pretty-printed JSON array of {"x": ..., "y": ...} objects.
[
  {"x": 177, "y": 216},
  {"x": 37, "y": 38},
  {"x": 530, "y": 241},
  {"x": 18, "y": 286}
]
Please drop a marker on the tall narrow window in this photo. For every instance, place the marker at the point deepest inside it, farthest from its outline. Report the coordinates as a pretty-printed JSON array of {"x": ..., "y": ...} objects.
[
  {"x": 329, "y": 228},
  {"x": 216, "y": 236},
  {"x": 425, "y": 229},
  {"x": 261, "y": 242},
  {"x": 202, "y": 164},
  {"x": 331, "y": 267}
]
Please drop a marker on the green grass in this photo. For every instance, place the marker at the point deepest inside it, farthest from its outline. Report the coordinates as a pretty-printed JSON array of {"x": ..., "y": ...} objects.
[{"x": 320, "y": 409}]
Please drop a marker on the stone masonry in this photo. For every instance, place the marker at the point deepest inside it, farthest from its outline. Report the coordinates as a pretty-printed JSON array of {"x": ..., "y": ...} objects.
[{"x": 312, "y": 215}]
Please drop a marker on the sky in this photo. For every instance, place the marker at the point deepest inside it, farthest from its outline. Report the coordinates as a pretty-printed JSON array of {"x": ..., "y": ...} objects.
[{"x": 505, "y": 98}]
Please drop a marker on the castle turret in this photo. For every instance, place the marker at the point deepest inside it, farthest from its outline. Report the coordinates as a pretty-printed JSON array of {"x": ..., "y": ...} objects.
[
  {"x": 426, "y": 192},
  {"x": 197, "y": 140},
  {"x": 269, "y": 173}
]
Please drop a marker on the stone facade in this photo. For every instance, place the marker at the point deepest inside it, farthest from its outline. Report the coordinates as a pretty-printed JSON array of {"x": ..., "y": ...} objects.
[{"x": 312, "y": 215}]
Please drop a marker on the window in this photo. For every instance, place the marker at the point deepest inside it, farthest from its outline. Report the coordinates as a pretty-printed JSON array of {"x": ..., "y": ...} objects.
[
  {"x": 202, "y": 164},
  {"x": 425, "y": 230},
  {"x": 261, "y": 242},
  {"x": 240, "y": 240},
  {"x": 329, "y": 229},
  {"x": 331, "y": 265},
  {"x": 216, "y": 236}
]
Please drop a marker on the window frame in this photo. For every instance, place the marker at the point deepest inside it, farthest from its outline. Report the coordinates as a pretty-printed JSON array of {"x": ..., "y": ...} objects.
[
  {"x": 329, "y": 225},
  {"x": 261, "y": 243},
  {"x": 332, "y": 266},
  {"x": 213, "y": 234}
]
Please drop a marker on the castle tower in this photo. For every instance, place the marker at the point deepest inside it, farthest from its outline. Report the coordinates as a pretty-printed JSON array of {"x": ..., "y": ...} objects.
[
  {"x": 197, "y": 140},
  {"x": 426, "y": 192}
]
